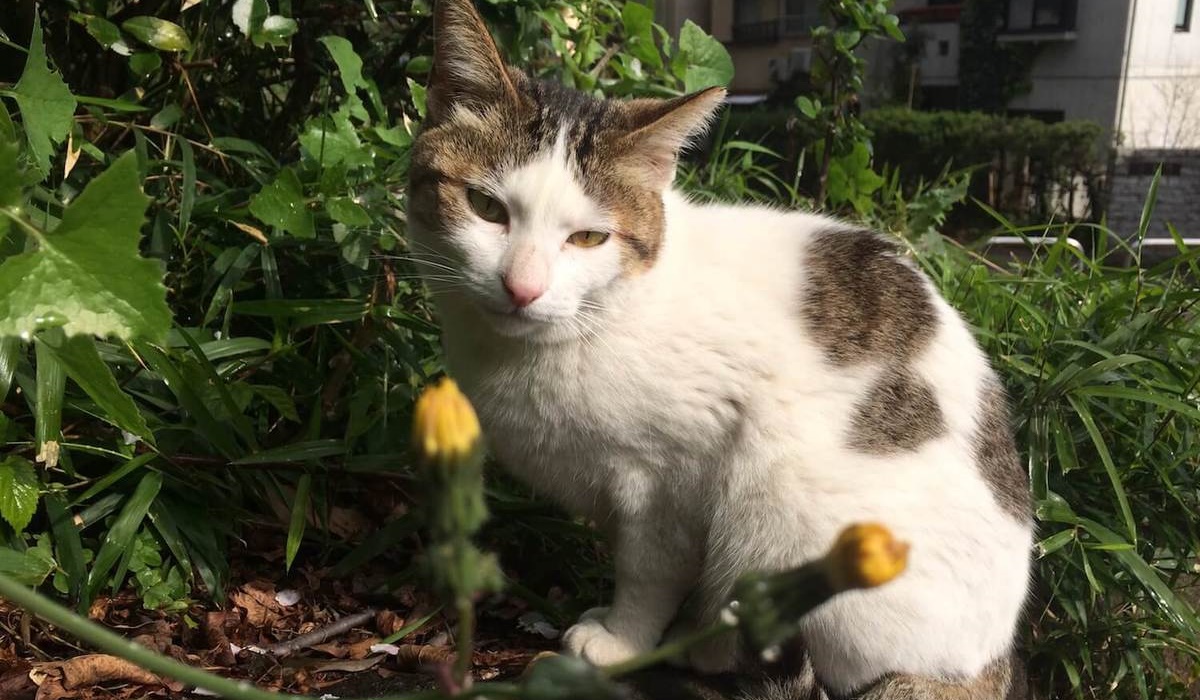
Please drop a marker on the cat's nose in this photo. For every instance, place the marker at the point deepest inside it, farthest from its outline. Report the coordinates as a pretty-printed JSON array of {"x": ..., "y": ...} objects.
[{"x": 523, "y": 292}]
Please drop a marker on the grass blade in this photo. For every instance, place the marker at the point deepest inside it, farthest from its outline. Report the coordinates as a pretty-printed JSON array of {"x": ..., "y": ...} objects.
[
  {"x": 10, "y": 354},
  {"x": 299, "y": 518},
  {"x": 78, "y": 357},
  {"x": 1118, "y": 489},
  {"x": 67, "y": 544},
  {"x": 51, "y": 385},
  {"x": 118, "y": 540}
]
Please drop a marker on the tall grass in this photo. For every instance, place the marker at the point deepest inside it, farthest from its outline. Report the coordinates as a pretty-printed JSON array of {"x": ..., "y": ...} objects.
[{"x": 1101, "y": 364}]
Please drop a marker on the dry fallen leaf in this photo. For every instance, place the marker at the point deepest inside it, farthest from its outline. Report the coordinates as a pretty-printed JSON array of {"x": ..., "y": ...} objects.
[{"x": 257, "y": 598}]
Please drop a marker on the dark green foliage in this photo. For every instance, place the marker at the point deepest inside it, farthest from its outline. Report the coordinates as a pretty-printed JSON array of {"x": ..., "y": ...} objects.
[
  {"x": 1039, "y": 164},
  {"x": 990, "y": 73}
]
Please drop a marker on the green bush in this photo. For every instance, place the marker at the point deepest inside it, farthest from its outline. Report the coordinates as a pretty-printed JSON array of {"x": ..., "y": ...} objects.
[{"x": 1027, "y": 169}]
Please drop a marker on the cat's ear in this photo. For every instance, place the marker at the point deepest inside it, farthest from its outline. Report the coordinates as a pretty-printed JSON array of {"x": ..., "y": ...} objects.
[
  {"x": 662, "y": 128},
  {"x": 467, "y": 68}
]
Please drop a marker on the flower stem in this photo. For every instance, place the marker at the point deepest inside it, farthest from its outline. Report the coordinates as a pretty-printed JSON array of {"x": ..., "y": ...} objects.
[{"x": 668, "y": 651}]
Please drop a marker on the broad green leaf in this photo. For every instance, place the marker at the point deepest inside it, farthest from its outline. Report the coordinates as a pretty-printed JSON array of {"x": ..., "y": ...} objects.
[
  {"x": 30, "y": 567},
  {"x": 276, "y": 30},
  {"x": 104, "y": 32},
  {"x": 332, "y": 140},
  {"x": 47, "y": 105},
  {"x": 706, "y": 62},
  {"x": 18, "y": 492},
  {"x": 348, "y": 63},
  {"x": 144, "y": 63},
  {"x": 11, "y": 184},
  {"x": 299, "y": 518},
  {"x": 82, "y": 363},
  {"x": 249, "y": 15},
  {"x": 345, "y": 210},
  {"x": 158, "y": 33},
  {"x": 281, "y": 205},
  {"x": 638, "y": 20},
  {"x": 87, "y": 275}
]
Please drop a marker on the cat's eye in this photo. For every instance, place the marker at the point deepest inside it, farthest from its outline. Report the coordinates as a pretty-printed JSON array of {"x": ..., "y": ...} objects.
[
  {"x": 587, "y": 239},
  {"x": 487, "y": 207}
]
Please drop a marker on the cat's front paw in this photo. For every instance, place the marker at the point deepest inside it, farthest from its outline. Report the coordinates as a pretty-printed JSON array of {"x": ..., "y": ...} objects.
[{"x": 590, "y": 640}]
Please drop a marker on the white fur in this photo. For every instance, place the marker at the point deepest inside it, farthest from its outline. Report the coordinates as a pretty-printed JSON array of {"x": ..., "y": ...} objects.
[{"x": 686, "y": 411}]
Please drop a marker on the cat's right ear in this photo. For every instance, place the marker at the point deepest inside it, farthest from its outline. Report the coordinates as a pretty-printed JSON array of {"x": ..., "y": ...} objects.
[{"x": 467, "y": 68}]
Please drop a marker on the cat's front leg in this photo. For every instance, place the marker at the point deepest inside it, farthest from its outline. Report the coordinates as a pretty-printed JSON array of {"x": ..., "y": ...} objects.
[{"x": 656, "y": 567}]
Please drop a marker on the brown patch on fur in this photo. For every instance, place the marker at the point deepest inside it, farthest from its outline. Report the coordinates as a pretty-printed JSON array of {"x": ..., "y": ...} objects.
[
  {"x": 862, "y": 302},
  {"x": 994, "y": 683},
  {"x": 898, "y": 413},
  {"x": 996, "y": 457}
]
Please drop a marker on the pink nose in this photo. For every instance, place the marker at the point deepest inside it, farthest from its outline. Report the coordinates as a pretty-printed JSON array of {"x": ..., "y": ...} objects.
[{"x": 523, "y": 293}]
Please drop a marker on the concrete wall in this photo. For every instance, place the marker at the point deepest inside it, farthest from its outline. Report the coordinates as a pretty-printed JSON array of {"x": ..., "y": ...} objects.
[
  {"x": 1081, "y": 76},
  {"x": 671, "y": 14},
  {"x": 1178, "y": 194},
  {"x": 1162, "y": 87},
  {"x": 751, "y": 61}
]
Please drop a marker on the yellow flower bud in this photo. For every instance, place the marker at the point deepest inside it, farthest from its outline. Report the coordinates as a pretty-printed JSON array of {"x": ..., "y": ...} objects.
[
  {"x": 864, "y": 556},
  {"x": 445, "y": 428}
]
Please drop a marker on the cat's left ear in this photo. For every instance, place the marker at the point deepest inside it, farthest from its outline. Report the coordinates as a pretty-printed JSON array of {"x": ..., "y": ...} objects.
[
  {"x": 662, "y": 128},
  {"x": 467, "y": 67}
]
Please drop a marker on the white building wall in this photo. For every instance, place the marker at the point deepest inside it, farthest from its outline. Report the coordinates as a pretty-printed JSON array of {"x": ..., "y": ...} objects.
[
  {"x": 1161, "y": 107},
  {"x": 1081, "y": 76}
]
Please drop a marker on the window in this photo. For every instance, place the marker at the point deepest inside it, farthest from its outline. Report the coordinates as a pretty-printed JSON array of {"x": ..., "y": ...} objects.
[{"x": 1183, "y": 16}]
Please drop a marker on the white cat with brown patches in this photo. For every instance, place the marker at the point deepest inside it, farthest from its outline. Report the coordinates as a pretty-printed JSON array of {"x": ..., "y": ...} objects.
[{"x": 721, "y": 388}]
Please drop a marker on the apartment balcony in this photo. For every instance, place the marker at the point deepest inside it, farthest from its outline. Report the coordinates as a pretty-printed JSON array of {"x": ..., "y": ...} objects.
[
  {"x": 1039, "y": 20},
  {"x": 772, "y": 30}
]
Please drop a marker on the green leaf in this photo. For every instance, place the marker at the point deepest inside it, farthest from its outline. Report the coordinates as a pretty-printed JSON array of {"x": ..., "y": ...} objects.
[
  {"x": 104, "y": 32},
  {"x": 249, "y": 15},
  {"x": 18, "y": 492},
  {"x": 158, "y": 33},
  {"x": 276, "y": 30},
  {"x": 281, "y": 205},
  {"x": 87, "y": 275},
  {"x": 706, "y": 61},
  {"x": 299, "y": 518},
  {"x": 1175, "y": 608},
  {"x": 82, "y": 363},
  {"x": 348, "y": 63},
  {"x": 10, "y": 354},
  {"x": 47, "y": 105},
  {"x": 51, "y": 385},
  {"x": 119, "y": 538},
  {"x": 144, "y": 63},
  {"x": 30, "y": 567},
  {"x": 332, "y": 139},
  {"x": 345, "y": 210},
  {"x": 68, "y": 546},
  {"x": 638, "y": 20}
]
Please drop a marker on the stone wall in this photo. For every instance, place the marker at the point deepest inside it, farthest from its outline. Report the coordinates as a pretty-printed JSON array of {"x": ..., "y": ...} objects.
[{"x": 1178, "y": 192}]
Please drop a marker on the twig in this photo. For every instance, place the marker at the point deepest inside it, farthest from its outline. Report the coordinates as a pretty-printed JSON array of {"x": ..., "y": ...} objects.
[
  {"x": 600, "y": 65},
  {"x": 339, "y": 626},
  {"x": 113, "y": 643}
]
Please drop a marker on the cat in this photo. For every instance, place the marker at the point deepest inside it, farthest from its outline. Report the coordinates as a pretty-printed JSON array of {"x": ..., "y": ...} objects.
[{"x": 721, "y": 388}]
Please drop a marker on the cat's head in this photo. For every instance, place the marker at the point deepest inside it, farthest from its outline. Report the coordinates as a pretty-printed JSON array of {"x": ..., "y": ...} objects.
[{"x": 530, "y": 201}]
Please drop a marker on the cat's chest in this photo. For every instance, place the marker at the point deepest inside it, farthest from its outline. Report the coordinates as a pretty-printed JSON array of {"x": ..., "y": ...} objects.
[{"x": 576, "y": 409}]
